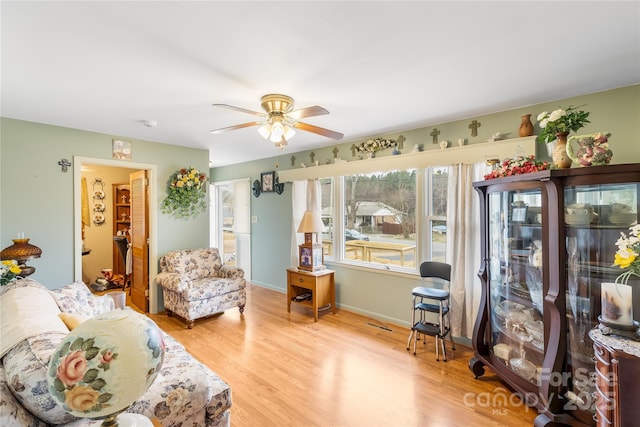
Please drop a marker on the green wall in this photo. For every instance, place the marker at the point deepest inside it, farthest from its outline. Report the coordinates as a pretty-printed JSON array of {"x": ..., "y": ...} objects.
[
  {"x": 384, "y": 295},
  {"x": 38, "y": 199}
]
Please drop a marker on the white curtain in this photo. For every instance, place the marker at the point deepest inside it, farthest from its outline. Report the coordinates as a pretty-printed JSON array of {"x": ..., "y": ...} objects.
[
  {"x": 305, "y": 197},
  {"x": 463, "y": 245}
]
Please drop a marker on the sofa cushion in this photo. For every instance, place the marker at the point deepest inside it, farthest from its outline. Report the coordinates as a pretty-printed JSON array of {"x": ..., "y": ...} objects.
[
  {"x": 26, "y": 367},
  {"x": 195, "y": 263},
  {"x": 19, "y": 303},
  {"x": 182, "y": 389},
  {"x": 77, "y": 298}
]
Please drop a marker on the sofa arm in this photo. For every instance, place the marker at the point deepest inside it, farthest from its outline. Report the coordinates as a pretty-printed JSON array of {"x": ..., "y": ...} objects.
[
  {"x": 230, "y": 272},
  {"x": 173, "y": 281}
]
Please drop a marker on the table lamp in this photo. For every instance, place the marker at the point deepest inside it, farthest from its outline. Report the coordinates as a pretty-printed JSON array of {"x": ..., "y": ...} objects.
[
  {"x": 21, "y": 251},
  {"x": 104, "y": 365},
  {"x": 311, "y": 256}
]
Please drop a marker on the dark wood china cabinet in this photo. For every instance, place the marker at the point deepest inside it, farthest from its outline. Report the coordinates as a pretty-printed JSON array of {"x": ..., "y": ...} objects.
[{"x": 548, "y": 242}]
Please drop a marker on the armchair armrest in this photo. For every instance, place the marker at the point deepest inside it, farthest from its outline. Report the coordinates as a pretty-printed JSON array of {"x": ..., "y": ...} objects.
[
  {"x": 173, "y": 281},
  {"x": 230, "y": 272}
]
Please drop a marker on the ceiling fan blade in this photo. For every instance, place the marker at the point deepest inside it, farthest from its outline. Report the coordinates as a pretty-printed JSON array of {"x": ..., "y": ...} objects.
[
  {"x": 242, "y": 110},
  {"x": 307, "y": 112},
  {"x": 243, "y": 125},
  {"x": 320, "y": 131}
]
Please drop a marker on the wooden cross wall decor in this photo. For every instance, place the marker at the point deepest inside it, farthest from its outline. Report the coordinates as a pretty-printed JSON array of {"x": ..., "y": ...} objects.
[
  {"x": 435, "y": 134},
  {"x": 335, "y": 152},
  {"x": 474, "y": 125},
  {"x": 293, "y": 161},
  {"x": 401, "y": 140},
  {"x": 312, "y": 156},
  {"x": 353, "y": 150}
]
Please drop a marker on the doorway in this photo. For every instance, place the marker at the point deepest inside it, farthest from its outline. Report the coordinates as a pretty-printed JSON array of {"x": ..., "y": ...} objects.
[
  {"x": 101, "y": 249},
  {"x": 230, "y": 220}
]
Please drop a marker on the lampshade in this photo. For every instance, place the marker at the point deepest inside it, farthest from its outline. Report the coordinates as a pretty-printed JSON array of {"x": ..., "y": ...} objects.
[
  {"x": 21, "y": 251},
  {"x": 311, "y": 223},
  {"x": 105, "y": 364}
]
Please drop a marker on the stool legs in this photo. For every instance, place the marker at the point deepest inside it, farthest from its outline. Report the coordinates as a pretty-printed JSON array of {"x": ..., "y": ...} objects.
[{"x": 440, "y": 334}]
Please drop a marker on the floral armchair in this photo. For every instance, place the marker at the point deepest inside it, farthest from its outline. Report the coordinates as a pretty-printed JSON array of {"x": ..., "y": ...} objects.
[{"x": 196, "y": 284}]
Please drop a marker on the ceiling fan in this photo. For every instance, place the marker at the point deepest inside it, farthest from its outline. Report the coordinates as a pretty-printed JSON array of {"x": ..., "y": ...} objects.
[{"x": 280, "y": 119}]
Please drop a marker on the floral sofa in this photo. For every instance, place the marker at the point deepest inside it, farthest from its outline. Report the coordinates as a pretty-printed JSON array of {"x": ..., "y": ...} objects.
[
  {"x": 196, "y": 284},
  {"x": 185, "y": 392}
]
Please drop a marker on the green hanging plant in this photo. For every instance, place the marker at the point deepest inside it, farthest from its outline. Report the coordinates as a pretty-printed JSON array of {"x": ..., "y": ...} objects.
[{"x": 186, "y": 191}]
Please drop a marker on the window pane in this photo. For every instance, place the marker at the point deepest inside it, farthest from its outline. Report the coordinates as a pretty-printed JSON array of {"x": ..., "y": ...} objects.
[
  {"x": 379, "y": 223},
  {"x": 327, "y": 212},
  {"x": 436, "y": 213}
]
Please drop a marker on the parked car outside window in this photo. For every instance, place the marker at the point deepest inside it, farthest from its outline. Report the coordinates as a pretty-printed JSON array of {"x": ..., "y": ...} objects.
[{"x": 354, "y": 235}]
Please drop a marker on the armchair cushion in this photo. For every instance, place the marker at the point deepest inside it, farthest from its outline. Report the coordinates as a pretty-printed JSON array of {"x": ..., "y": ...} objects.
[{"x": 193, "y": 263}]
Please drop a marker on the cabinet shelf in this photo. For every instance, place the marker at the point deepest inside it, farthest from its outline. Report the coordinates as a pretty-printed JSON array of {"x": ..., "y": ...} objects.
[{"x": 120, "y": 226}]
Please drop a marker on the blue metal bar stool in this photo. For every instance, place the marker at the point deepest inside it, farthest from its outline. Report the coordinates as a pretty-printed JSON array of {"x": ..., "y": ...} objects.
[{"x": 431, "y": 300}]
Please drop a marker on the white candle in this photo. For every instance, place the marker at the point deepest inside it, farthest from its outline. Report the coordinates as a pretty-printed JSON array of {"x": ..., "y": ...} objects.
[{"x": 617, "y": 305}]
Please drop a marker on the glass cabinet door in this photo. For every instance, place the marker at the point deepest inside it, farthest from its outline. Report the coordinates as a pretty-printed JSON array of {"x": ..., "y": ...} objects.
[
  {"x": 516, "y": 277},
  {"x": 594, "y": 217}
]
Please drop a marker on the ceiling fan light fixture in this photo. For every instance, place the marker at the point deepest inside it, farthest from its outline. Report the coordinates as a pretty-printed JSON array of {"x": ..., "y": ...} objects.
[
  {"x": 288, "y": 132},
  {"x": 277, "y": 132},
  {"x": 265, "y": 130}
]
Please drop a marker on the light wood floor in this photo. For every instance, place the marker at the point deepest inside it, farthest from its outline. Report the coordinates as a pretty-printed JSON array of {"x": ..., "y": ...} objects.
[{"x": 286, "y": 370}]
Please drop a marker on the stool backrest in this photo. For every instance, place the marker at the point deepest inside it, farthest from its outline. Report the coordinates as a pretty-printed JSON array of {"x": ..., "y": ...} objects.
[{"x": 435, "y": 269}]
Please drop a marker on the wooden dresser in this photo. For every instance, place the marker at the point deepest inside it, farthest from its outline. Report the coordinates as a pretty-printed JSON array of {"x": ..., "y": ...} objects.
[{"x": 617, "y": 386}]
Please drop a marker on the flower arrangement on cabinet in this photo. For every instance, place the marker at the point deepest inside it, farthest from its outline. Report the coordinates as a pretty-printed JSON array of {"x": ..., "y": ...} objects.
[
  {"x": 562, "y": 120},
  {"x": 376, "y": 144},
  {"x": 185, "y": 193},
  {"x": 517, "y": 166},
  {"x": 627, "y": 256},
  {"x": 9, "y": 270}
]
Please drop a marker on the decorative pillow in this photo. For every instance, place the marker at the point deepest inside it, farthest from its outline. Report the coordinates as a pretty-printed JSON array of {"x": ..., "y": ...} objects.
[
  {"x": 26, "y": 367},
  {"x": 72, "y": 320},
  {"x": 77, "y": 298}
]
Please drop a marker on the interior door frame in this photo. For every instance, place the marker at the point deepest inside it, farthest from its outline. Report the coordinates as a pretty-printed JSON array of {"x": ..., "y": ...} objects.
[{"x": 152, "y": 172}]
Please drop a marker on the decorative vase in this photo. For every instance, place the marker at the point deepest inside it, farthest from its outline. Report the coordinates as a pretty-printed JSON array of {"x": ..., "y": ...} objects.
[
  {"x": 526, "y": 127},
  {"x": 616, "y": 299},
  {"x": 593, "y": 149},
  {"x": 560, "y": 157}
]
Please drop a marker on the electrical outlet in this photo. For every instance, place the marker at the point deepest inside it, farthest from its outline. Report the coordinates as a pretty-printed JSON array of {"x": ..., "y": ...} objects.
[{"x": 254, "y": 219}]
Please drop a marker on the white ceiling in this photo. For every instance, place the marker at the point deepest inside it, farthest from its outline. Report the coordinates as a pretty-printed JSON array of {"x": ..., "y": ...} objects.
[{"x": 378, "y": 67}]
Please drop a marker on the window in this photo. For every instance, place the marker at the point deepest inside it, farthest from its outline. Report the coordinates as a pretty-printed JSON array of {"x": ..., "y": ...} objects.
[{"x": 370, "y": 219}]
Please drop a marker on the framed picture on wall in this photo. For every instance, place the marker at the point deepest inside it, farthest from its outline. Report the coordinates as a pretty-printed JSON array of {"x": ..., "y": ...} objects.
[
  {"x": 121, "y": 149},
  {"x": 267, "y": 179}
]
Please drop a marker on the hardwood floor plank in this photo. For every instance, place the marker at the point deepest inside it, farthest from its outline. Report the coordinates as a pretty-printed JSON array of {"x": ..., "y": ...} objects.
[{"x": 286, "y": 370}]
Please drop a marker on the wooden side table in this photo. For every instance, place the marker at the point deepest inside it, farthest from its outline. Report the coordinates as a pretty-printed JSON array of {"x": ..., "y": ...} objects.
[{"x": 321, "y": 285}]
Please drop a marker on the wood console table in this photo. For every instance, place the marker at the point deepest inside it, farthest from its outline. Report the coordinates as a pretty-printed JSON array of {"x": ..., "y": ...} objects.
[
  {"x": 321, "y": 285},
  {"x": 617, "y": 373}
]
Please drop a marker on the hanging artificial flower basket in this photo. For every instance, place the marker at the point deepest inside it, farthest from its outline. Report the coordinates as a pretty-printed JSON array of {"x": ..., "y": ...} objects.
[{"x": 186, "y": 193}]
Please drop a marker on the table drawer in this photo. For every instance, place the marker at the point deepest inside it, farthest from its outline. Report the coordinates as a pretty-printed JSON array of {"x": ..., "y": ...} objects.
[{"x": 302, "y": 280}]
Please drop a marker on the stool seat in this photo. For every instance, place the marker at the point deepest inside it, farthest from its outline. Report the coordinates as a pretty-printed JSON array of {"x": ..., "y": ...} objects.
[{"x": 431, "y": 293}]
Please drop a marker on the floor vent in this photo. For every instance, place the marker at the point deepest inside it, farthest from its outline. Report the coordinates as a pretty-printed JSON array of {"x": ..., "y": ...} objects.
[{"x": 379, "y": 326}]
